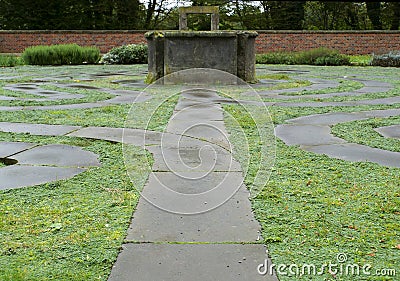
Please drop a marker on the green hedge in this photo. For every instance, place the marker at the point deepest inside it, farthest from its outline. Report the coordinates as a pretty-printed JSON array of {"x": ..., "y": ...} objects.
[
  {"x": 320, "y": 56},
  {"x": 8, "y": 60},
  {"x": 61, "y": 55},
  {"x": 126, "y": 54},
  {"x": 391, "y": 59}
]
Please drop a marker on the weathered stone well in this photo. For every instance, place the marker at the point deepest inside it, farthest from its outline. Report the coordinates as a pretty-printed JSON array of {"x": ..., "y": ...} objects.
[{"x": 230, "y": 51}]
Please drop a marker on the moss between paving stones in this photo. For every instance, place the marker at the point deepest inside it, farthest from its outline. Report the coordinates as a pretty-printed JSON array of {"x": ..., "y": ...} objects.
[
  {"x": 345, "y": 86},
  {"x": 101, "y": 76},
  {"x": 107, "y": 116},
  {"x": 89, "y": 96},
  {"x": 362, "y": 132},
  {"x": 289, "y": 85},
  {"x": 280, "y": 114}
]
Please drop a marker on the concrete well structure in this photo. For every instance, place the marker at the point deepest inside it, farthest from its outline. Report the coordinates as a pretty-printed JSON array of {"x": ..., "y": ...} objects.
[{"x": 230, "y": 51}]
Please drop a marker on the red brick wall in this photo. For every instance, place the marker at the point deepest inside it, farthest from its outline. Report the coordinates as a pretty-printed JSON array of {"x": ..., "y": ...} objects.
[
  {"x": 17, "y": 41},
  {"x": 348, "y": 42}
]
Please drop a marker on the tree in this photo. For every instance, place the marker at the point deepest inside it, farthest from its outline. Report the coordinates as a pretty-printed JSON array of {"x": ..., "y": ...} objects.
[
  {"x": 374, "y": 14},
  {"x": 126, "y": 14},
  {"x": 395, "y": 24},
  {"x": 247, "y": 15},
  {"x": 234, "y": 14},
  {"x": 69, "y": 14},
  {"x": 287, "y": 14},
  {"x": 332, "y": 15}
]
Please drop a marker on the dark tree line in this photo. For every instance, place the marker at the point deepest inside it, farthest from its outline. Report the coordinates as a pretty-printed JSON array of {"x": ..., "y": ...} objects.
[
  {"x": 163, "y": 14},
  {"x": 69, "y": 14}
]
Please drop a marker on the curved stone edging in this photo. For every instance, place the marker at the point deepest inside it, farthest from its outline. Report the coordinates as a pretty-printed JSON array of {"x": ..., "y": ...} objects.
[
  {"x": 313, "y": 133},
  {"x": 121, "y": 97},
  {"x": 370, "y": 86}
]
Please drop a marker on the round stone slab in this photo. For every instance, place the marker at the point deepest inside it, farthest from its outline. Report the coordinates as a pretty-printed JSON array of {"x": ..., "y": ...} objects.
[
  {"x": 34, "y": 164},
  {"x": 10, "y": 148},
  {"x": 57, "y": 155},
  {"x": 20, "y": 176}
]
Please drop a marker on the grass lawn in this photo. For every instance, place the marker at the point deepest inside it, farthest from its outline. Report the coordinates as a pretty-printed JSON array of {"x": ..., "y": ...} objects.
[
  {"x": 70, "y": 229},
  {"x": 311, "y": 209},
  {"x": 314, "y": 208}
]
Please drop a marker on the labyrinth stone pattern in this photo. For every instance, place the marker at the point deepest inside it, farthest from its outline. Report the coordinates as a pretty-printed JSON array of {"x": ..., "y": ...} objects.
[{"x": 197, "y": 235}]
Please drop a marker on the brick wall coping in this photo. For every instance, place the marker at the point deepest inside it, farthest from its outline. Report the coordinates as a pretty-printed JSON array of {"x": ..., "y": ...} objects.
[
  {"x": 259, "y": 31},
  {"x": 71, "y": 31},
  {"x": 331, "y": 31}
]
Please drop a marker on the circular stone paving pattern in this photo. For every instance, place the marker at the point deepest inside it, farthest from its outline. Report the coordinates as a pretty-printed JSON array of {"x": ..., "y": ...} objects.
[
  {"x": 47, "y": 163},
  {"x": 36, "y": 90}
]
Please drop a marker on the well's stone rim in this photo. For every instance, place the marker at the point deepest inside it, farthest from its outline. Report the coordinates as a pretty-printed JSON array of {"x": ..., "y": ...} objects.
[{"x": 189, "y": 33}]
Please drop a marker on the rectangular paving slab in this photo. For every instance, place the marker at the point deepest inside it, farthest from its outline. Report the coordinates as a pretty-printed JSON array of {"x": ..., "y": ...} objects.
[
  {"x": 188, "y": 159},
  {"x": 190, "y": 262},
  {"x": 230, "y": 222},
  {"x": 195, "y": 194},
  {"x": 196, "y": 182}
]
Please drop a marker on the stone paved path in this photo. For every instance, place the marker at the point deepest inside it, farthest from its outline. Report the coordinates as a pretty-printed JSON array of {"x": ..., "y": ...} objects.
[{"x": 193, "y": 218}]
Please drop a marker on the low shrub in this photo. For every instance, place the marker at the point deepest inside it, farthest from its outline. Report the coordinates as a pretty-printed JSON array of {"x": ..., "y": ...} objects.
[
  {"x": 276, "y": 58},
  {"x": 10, "y": 61},
  {"x": 391, "y": 59},
  {"x": 126, "y": 54},
  {"x": 360, "y": 60},
  {"x": 320, "y": 56},
  {"x": 63, "y": 54},
  {"x": 310, "y": 56},
  {"x": 334, "y": 59}
]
